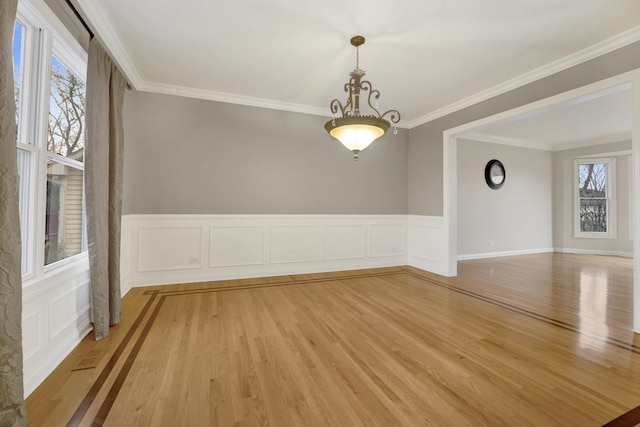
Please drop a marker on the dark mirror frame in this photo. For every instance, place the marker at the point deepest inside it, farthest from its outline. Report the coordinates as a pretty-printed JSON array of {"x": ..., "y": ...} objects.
[{"x": 487, "y": 174}]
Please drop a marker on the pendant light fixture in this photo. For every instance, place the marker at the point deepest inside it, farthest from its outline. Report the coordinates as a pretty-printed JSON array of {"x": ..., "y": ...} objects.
[{"x": 352, "y": 128}]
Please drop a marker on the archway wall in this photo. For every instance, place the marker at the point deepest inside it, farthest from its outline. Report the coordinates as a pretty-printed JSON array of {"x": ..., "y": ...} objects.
[{"x": 426, "y": 160}]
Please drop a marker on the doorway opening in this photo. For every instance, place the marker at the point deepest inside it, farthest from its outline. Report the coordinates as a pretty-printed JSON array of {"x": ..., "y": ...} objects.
[{"x": 500, "y": 129}]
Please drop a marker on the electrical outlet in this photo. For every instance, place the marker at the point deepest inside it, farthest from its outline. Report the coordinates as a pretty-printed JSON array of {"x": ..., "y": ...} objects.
[
  {"x": 490, "y": 243},
  {"x": 194, "y": 260}
]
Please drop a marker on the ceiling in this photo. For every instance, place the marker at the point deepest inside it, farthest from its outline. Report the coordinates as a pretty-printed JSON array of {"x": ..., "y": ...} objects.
[
  {"x": 427, "y": 57},
  {"x": 597, "y": 118}
]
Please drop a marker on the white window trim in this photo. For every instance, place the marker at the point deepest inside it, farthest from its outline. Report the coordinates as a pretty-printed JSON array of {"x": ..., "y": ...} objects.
[
  {"x": 28, "y": 207},
  {"x": 632, "y": 196},
  {"x": 612, "y": 201}
]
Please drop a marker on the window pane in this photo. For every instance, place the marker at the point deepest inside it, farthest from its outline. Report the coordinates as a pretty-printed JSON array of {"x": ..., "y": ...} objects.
[
  {"x": 66, "y": 112},
  {"x": 63, "y": 221},
  {"x": 592, "y": 179},
  {"x": 593, "y": 215},
  {"x": 17, "y": 49}
]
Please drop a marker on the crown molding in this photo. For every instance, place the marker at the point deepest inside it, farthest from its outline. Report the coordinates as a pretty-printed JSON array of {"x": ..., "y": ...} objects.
[
  {"x": 605, "y": 139},
  {"x": 546, "y": 146},
  {"x": 598, "y": 49},
  {"x": 109, "y": 37},
  {"x": 231, "y": 98},
  {"x": 515, "y": 142}
]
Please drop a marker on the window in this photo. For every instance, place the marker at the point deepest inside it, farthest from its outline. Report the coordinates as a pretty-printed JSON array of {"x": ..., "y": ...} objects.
[
  {"x": 65, "y": 135},
  {"x": 65, "y": 146},
  {"x": 18, "y": 49},
  {"x": 595, "y": 201},
  {"x": 50, "y": 111},
  {"x": 24, "y": 152}
]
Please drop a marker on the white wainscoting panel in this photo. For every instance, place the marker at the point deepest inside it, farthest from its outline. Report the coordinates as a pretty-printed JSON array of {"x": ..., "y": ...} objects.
[
  {"x": 344, "y": 241},
  {"x": 74, "y": 300},
  {"x": 426, "y": 240},
  {"x": 167, "y": 249},
  {"x": 125, "y": 256},
  {"x": 387, "y": 240},
  {"x": 32, "y": 327},
  {"x": 231, "y": 246},
  {"x": 55, "y": 318},
  {"x": 294, "y": 243}
]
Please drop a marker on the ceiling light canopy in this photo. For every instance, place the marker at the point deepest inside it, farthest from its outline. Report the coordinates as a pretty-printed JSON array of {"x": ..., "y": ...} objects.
[{"x": 353, "y": 129}]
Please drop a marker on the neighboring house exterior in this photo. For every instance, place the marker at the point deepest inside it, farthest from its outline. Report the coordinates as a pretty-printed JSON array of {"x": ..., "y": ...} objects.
[{"x": 63, "y": 229}]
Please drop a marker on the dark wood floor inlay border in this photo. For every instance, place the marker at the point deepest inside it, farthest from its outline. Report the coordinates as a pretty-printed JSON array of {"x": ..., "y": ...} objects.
[
  {"x": 282, "y": 283},
  {"x": 101, "y": 416},
  {"x": 106, "y": 371},
  {"x": 628, "y": 419}
]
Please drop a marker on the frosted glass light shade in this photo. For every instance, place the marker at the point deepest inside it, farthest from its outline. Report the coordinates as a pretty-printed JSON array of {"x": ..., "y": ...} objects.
[
  {"x": 357, "y": 132},
  {"x": 356, "y": 137}
]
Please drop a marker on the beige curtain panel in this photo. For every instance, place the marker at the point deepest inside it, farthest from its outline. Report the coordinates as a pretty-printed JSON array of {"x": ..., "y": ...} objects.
[
  {"x": 12, "y": 412},
  {"x": 103, "y": 185}
]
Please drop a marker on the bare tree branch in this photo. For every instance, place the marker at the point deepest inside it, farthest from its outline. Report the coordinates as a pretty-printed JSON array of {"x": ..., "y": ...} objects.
[{"x": 66, "y": 113}]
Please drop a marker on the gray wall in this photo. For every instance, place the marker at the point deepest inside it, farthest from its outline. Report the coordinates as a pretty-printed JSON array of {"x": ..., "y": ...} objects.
[
  {"x": 563, "y": 199},
  {"x": 425, "y": 141},
  {"x": 129, "y": 113},
  {"x": 516, "y": 217},
  {"x": 190, "y": 156}
]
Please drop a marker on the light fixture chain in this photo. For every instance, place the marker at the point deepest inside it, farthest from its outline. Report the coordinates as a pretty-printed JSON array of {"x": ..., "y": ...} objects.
[{"x": 357, "y": 57}]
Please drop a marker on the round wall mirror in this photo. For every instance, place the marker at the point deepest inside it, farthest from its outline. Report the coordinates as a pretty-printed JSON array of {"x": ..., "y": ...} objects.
[{"x": 494, "y": 174}]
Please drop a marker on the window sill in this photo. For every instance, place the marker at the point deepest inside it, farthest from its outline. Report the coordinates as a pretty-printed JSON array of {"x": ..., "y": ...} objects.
[
  {"x": 60, "y": 272},
  {"x": 595, "y": 236}
]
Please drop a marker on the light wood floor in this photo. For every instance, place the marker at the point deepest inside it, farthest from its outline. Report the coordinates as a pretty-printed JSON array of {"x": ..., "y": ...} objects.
[{"x": 540, "y": 340}]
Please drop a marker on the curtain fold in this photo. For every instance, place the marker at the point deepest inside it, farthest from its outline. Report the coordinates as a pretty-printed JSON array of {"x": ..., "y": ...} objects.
[
  {"x": 12, "y": 411},
  {"x": 103, "y": 185}
]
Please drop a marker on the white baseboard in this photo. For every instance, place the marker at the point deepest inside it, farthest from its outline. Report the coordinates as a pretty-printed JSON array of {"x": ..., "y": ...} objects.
[
  {"x": 544, "y": 250},
  {"x": 504, "y": 253},
  {"x": 594, "y": 252},
  {"x": 269, "y": 271},
  {"x": 428, "y": 265}
]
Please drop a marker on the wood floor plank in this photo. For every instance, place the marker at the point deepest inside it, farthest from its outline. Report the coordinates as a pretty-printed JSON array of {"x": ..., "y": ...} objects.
[{"x": 536, "y": 340}]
